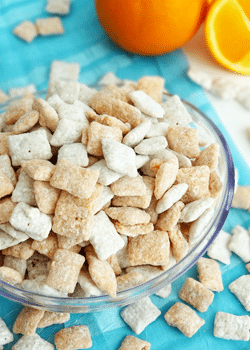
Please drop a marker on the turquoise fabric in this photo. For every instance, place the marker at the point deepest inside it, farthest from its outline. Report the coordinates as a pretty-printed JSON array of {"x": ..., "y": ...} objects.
[{"x": 85, "y": 42}]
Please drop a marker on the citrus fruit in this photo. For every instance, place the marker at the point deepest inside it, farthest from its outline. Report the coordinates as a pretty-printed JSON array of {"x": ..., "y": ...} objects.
[
  {"x": 150, "y": 27},
  {"x": 227, "y": 33}
]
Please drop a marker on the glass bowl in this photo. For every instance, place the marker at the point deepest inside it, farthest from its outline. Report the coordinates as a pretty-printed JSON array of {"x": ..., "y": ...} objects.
[{"x": 209, "y": 131}]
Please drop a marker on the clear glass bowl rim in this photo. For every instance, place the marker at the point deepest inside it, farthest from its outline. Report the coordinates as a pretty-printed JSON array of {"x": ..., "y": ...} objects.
[{"x": 93, "y": 303}]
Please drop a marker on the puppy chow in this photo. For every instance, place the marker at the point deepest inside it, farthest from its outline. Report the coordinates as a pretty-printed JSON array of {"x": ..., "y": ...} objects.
[
  {"x": 219, "y": 249},
  {"x": 5, "y": 335},
  {"x": 231, "y": 327},
  {"x": 184, "y": 318},
  {"x": 27, "y": 321},
  {"x": 75, "y": 337},
  {"x": 24, "y": 190},
  {"x": 27, "y": 146},
  {"x": 140, "y": 314},
  {"x": 26, "y": 31},
  {"x": 210, "y": 274},
  {"x": 75, "y": 153},
  {"x": 49, "y": 26}
]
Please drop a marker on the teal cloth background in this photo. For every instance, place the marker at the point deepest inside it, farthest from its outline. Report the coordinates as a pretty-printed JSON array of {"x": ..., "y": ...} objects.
[{"x": 85, "y": 42}]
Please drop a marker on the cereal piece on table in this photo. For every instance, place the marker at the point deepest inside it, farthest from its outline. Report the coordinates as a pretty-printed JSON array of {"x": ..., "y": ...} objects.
[
  {"x": 6, "y": 186},
  {"x": 241, "y": 198},
  {"x": 16, "y": 109},
  {"x": 114, "y": 263},
  {"x": 165, "y": 177},
  {"x": 24, "y": 190},
  {"x": 10, "y": 275},
  {"x": 195, "y": 209},
  {"x": 101, "y": 272},
  {"x": 26, "y": 31},
  {"x": 184, "y": 318},
  {"x": 86, "y": 93},
  {"x": 38, "y": 169},
  {"x": 164, "y": 292},
  {"x": 87, "y": 284},
  {"x": 31, "y": 343},
  {"x": 4, "y": 147},
  {"x": 47, "y": 246},
  {"x": 175, "y": 112},
  {"x": 137, "y": 201},
  {"x": 74, "y": 337},
  {"x": 74, "y": 216},
  {"x": 5, "y": 334},
  {"x": 33, "y": 145},
  {"x": 3, "y": 97},
  {"x": 21, "y": 250},
  {"x": 152, "y": 86},
  {"x": 107, "y": 176},
  {"x": 224, "y": 88},
  {"x": 75, "y": 153},
  {"x": 49, "y": 318},
  {"x": 196, "y": 294},
  {"x": 184, "y": 140},
  {"x": 219, "y": 248},
  {"x": 58, "y": 7},
  {"x": 25, "y": 122},
  {"x": 168, "y": 219},
  {"x": 27, "y": 321},
  {"x": 6, "y": 209},
  {"x": 105, "y": 104},
  {"x": 152, "y": 248},
  {"x": 198, "y": 226},
  {"x": 119, "y": 157},
  {"x": 47, "y": 115},
  {"x": 128, "y": 216},
  {"x": 201, "y": 78},
  {"x": 178, "y": 243},
  {"x": 6, "y": 168},
  {"x": 64, "y": 270},
  {"x": 151, "y": 145},
  {"x": 77, "y": 181},
  {"x": 96, "y": 132},
  {"x": 241, "y": 288},
  {"x": 140, "y": 314},
  {"x": 209, "y": 156},
  {"x": 134, "y": 230},
  {"x": 171, "y": 196},
  {"x": 104, "y": 237},
  {"x": 240, "y": 243},
  {"x": 146, "y": 104},
  {"x": 49, "y": 26},
  {"x": 137, "y": 134},
  {"x": 46, "y": 196},
  {"x": 30, "y": 220},
  {"x": 130, "y": 280},
  {"x": 197, "y": 179},
  {"x": 215, "y": 184},
  {"x": 127, "y": 186},
  {"x": 133, "y": 343},
  {"x": 158, "y": 129},
  {"x": 231, "y": 327},
  {"x": 210, "y": 274},
  {"x": 17, "y": 264}
]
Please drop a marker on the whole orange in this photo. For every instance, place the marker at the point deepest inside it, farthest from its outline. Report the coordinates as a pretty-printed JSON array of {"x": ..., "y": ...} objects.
[{"x": 150, "y": 27}]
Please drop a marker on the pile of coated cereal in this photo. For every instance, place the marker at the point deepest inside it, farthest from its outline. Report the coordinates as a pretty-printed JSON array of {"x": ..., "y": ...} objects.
[{"x": 102, "y": 191}]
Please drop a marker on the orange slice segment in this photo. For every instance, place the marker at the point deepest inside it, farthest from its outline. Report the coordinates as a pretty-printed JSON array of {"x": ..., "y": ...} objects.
[{"x": 227, "y": 32}]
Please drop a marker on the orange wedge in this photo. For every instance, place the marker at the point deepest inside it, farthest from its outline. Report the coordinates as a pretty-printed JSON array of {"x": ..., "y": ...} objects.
[{"x": 227, "y": 33}]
